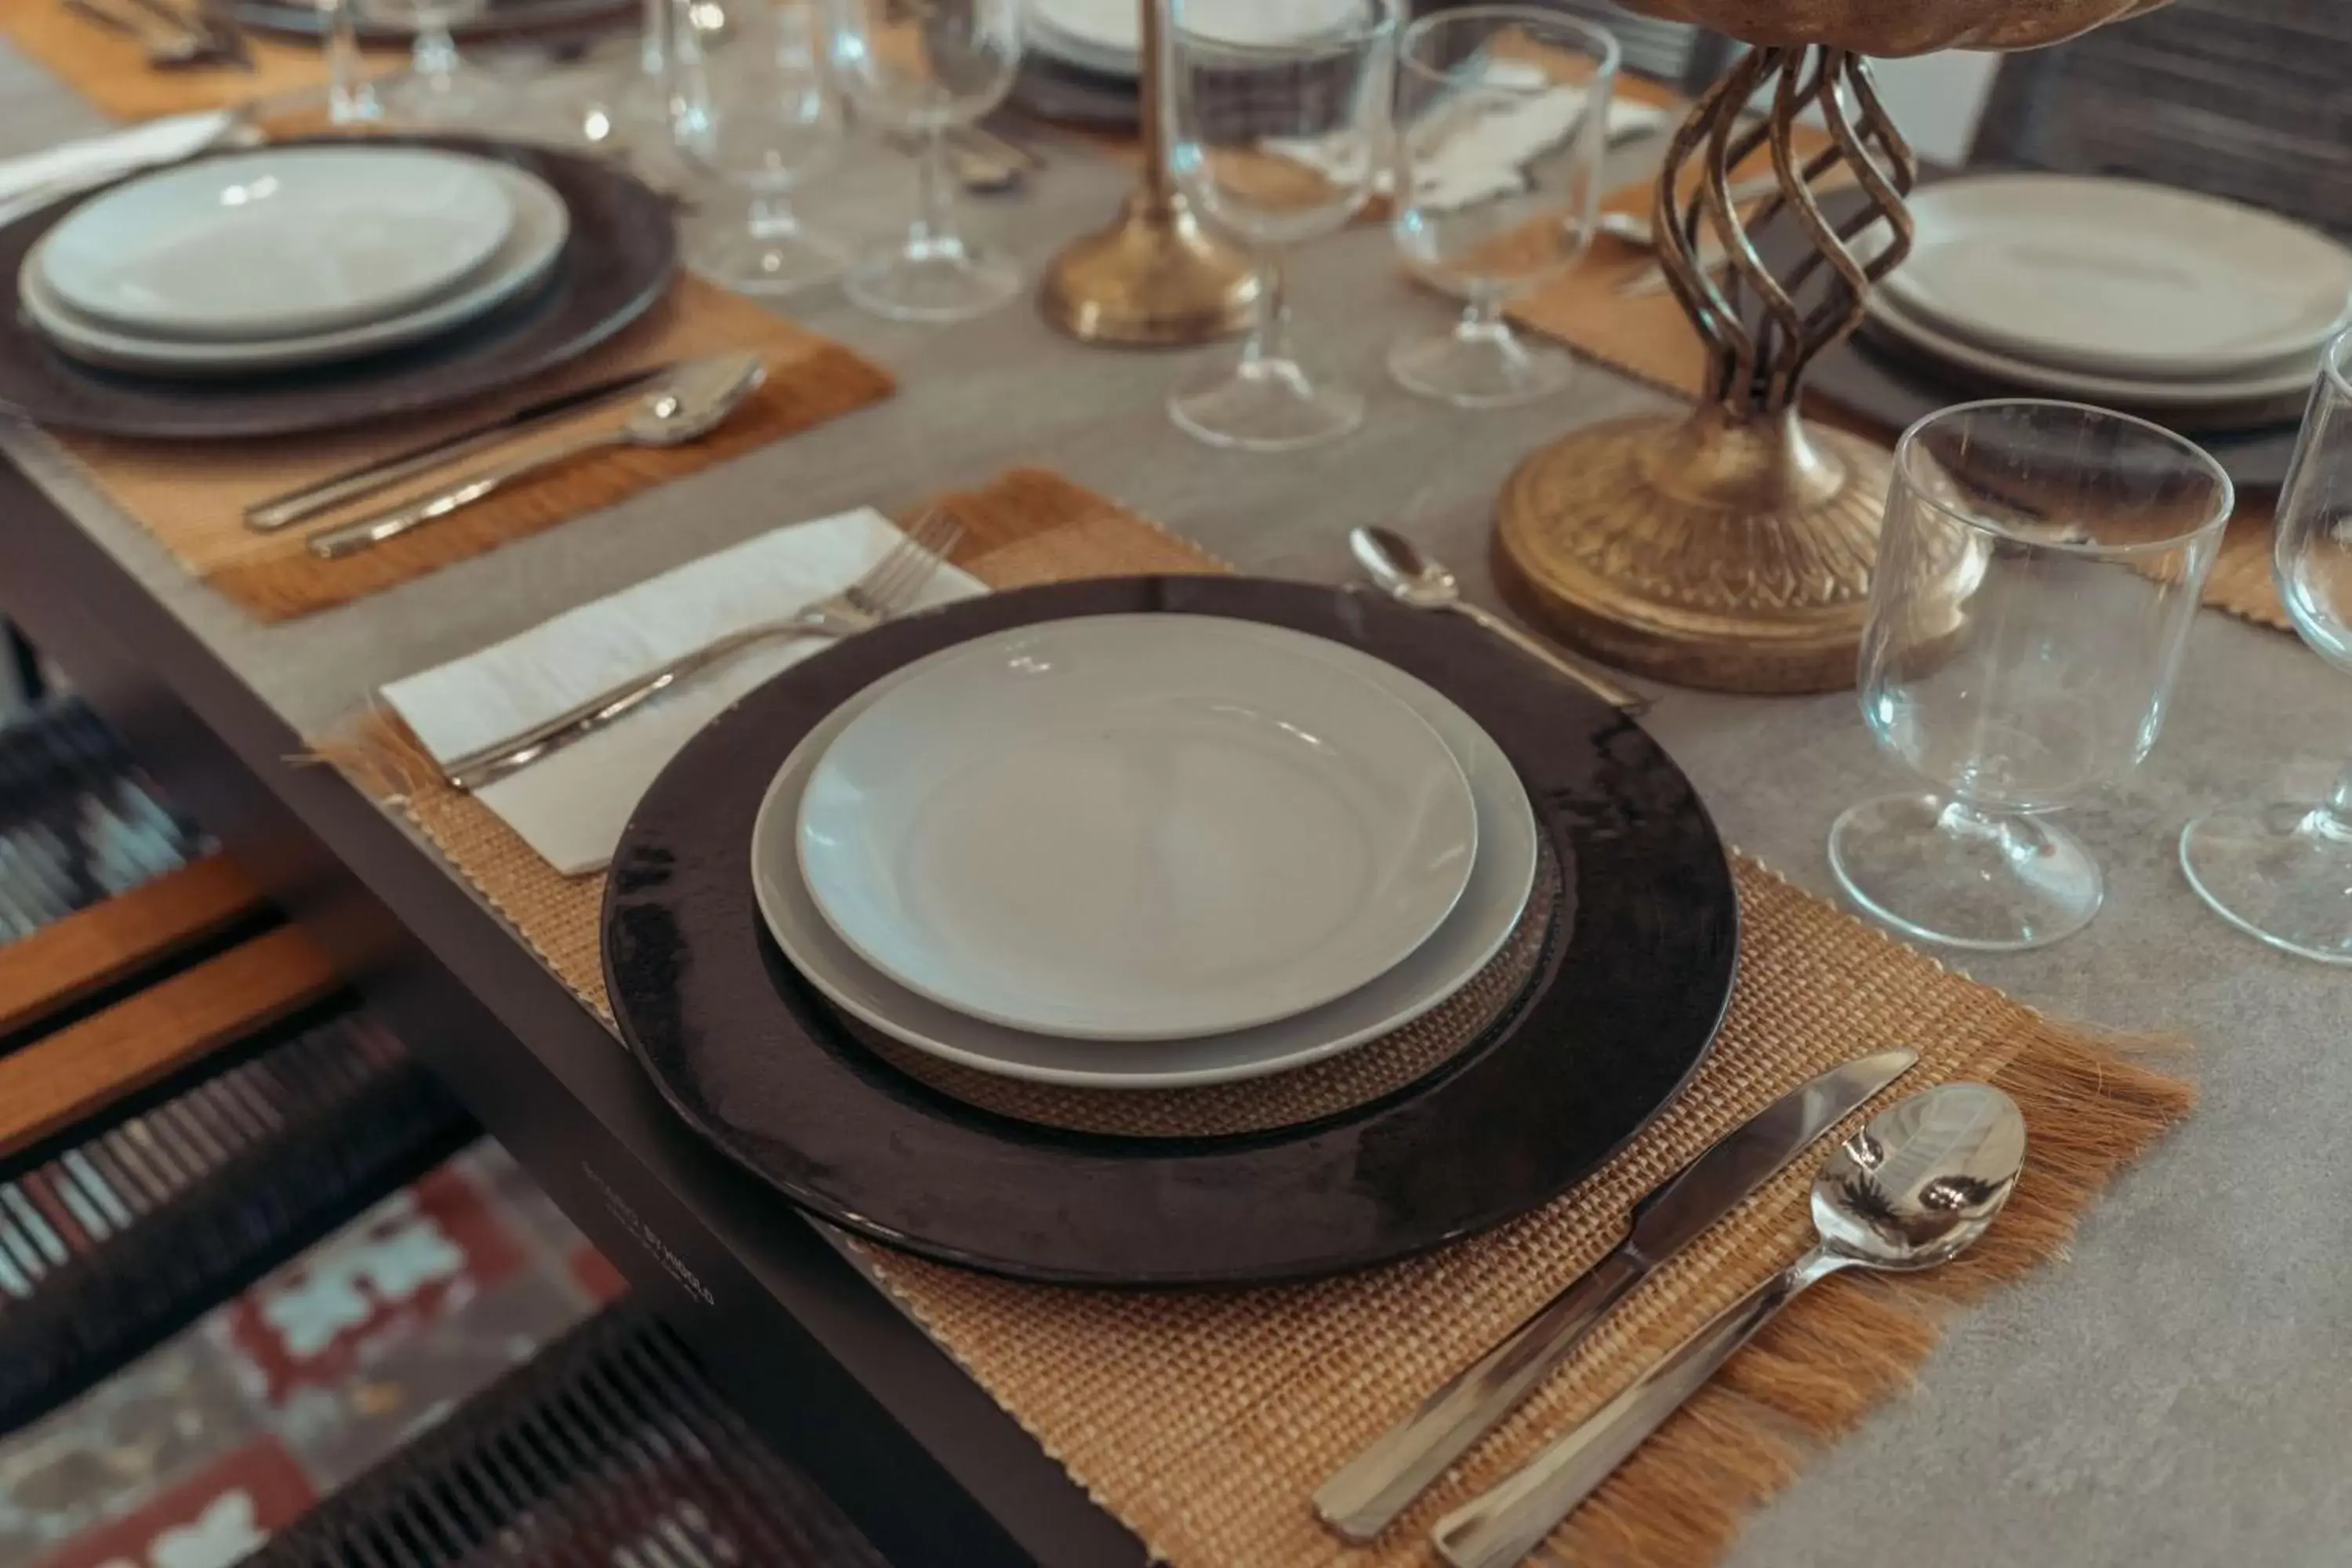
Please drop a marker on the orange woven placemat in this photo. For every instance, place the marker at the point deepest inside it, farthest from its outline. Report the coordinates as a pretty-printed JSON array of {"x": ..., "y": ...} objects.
[
  {"x": 1204, "y": 1420},
  {"x": 192, "y": 495},
  {"x": 112, "y": 71}
]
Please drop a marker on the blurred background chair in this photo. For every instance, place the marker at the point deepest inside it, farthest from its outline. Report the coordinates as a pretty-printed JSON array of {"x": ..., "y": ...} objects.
[{"x": 2246, "y": 98}]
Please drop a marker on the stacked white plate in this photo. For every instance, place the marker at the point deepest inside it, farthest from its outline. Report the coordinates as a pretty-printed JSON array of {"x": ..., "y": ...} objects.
[
  {"x": 1105, "y": 36},
  {"x": 1143, "y": 852},
  {"x": 2115, "y": 291},
  {"x": 283, "y": 259}
]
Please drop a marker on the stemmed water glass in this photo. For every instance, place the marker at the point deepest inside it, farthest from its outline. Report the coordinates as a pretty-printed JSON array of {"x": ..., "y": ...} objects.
[
  {"x": 757, "y": 112},
  {"x": 2037, "y": 573},
  {"x": 920, "y": 67},
  {"x": 1502, "y": 117},
  {"x": 1274, "y": 133},
  {"x": 2283, "y": 871},
  {"x": 442, "y": 87}
]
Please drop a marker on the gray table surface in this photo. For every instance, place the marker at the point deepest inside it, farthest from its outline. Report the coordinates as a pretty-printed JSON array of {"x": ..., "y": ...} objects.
[{"x": 2178, "y": 1393}]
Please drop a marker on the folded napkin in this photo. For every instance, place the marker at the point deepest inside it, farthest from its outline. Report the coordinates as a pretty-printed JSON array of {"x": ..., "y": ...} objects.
[
  {"x": 38, "y": 177},
  {"x": 572, "y": 806},
  {"x": 1472, "y": 151}
]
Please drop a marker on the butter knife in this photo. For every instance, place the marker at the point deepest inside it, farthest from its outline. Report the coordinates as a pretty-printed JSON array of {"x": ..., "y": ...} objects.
[{"x": 1366, "y": 1495}]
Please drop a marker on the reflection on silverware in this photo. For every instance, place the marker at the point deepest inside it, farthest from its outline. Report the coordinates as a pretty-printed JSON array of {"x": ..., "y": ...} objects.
[
  {"x": 685, "y": 407},
  {"x": 1398, "y": 565},
  {"x": 369, "y": 479},
  {"x": 1636, "y": 229},
  {"x": 887, "y": 589},
  {"x": 1365, "y": 1496},
  {"x": 1915, "y": 1188},
  {"x": 979, "y": 171},
  {"x": 1004, "y": 148},
  {"x": 168, "y": 47},
  {"x": 1652, "y": 280}
]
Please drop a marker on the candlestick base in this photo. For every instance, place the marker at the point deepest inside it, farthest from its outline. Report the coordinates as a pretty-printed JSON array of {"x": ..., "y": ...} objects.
[{"x": 1155, "y": 278}]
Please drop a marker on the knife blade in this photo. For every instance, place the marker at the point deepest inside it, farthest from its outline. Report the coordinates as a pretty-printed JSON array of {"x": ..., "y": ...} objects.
[
  {"x": 1367, "y": 1494},
  {"x": 355, "y": 484}
]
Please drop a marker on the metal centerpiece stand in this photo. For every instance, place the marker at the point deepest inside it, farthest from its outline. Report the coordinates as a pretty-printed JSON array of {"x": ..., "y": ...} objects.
[
  {"x": 1155, "y": 278},
  {"x": 1732, "y": 547}
]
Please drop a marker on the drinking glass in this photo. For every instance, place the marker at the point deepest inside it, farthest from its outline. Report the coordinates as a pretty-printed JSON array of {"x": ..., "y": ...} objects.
[
  {"x": 921, "y": 68},
  {"x": 1502, "y": 116},
  {"x": 351, "y": 96},
  {"x": 2283, "y": 871},
  {"x": 441, "y": 86},
  {"x": 1274, "y": 133},
  {"x": 2037, "y": 573},
  {"x": 757, "y": 113}
]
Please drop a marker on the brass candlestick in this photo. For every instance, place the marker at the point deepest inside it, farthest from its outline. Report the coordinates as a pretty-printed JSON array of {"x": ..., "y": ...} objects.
[
  {"x": 1155, "y": 278},
  {"x": 1732, "y": 547}
]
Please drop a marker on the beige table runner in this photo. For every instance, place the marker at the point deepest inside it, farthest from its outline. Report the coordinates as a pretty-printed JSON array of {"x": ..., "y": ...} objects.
[
  {"x": 1650, "y": 339},
  {"x": 192, "y": 495},
  {"x": 1204, "y": 1420}
]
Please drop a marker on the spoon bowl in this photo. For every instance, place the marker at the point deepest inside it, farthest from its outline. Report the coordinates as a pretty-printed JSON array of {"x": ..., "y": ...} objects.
[{"x": 691, "y": 403}]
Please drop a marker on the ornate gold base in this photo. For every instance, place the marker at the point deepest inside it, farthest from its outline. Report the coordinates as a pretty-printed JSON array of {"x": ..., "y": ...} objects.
[
  {"x": 1698, "y": 550},
  {"x": 1155, "y": 278}
]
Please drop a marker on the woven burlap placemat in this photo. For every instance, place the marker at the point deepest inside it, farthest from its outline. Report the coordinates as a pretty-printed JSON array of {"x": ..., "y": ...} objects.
[
  {"x": 112, "y": 71},
  {"x": 1204, "y": 1420},
  {"x": 192, "y": 495},
  {"x": 1648, "y": 337}
]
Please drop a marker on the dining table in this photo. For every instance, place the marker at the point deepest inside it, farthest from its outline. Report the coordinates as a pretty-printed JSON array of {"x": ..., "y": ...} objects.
[{"x": 2175, "y": 1391}]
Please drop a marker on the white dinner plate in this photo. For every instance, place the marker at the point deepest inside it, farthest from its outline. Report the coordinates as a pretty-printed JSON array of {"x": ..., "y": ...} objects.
[
  {"x": 1137, "y": 828},
  {"x": 542, "y": 225},
  {"x": 1106, "y": 35},
  {"x": 279, "y": 242},
  {"x": 2219, "y": 395},
  {"x": 2119, "y": 278},
  {"x": 1502, "y": 876}
]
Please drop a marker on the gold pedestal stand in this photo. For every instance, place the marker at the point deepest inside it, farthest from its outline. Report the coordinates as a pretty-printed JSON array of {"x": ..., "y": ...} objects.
[
  {"x": 1732, "y": 548},
  {"x": 1154, "y": 279}
]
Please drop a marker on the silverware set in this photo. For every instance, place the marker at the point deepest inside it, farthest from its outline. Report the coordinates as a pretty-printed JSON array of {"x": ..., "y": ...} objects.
[
  {"x": 676, "y": 403},
  {"x": 172, "y": 39},
  {"x": 1915, "y": 1188}
]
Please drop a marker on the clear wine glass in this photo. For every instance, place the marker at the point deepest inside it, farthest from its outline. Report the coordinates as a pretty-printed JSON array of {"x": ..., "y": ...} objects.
[
  {"x": 1502, "y": 117},
  {"x": 2283, "y": 871},
  {"x": 2037, "y": 573},
  {"x": 920, "y": 67},
  {"x": 757, "y": 113},
  {"x": 1276, "y": 118},
  {"x": 351, "y": 95},
  {"x": 442, "y": 87}
]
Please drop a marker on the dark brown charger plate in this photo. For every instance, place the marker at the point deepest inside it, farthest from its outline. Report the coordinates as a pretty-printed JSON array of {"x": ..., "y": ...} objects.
[
  {"x": 1622, "y": 1008},
  {"x": 619, "y": 259},
  {"x": 500, "y": 19}
]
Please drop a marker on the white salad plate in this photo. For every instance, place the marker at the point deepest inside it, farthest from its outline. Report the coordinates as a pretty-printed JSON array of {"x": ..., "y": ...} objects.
[
  {"x": 2119, "y": 278},
  {"x": 1107, "y": 36},
  {"x": 1502, "y": 877},
  {"x": 277, "y": 243},
  {"x": 1137, "y": 828},
  {"x": 2215, "y": 395},
  {"x": 541, "y": 224}
]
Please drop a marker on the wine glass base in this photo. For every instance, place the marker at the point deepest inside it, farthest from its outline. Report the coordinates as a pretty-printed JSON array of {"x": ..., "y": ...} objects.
[
  {"x": 1479, "y": 367},
  {"x": 1263, "y": 406},
  {"x": 934, "y": 280},
  {"x": 763, "y": 262},
  {"x": 1944, "y": 873},
  {"x": 2278, "y": 873}
]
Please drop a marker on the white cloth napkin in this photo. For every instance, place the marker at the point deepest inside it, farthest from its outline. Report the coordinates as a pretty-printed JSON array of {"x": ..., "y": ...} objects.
[
  {"x": 572, "y": 806},
  {"x": 38, "y": 177},
  {"x": 1473, "y": 150}
]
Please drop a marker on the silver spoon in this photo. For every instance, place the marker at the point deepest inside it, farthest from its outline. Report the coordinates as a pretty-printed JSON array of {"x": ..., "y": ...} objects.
[
  {"x": 1915, "y": 1188},
  {"x": 683, "y": 408},
  {"x": 1397, "y": 564}
]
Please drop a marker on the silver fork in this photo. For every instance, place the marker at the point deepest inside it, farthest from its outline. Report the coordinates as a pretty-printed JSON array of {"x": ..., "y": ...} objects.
[{"x": 887, "y": 589}]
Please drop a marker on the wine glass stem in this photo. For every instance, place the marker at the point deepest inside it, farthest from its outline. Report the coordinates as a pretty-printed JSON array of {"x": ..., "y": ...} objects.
[
  {"x": 2333, "y": 819},
  {"x": 435, "y": 56},
  {"x": 1482, "y": 317},
  {"x": 1269, "y": 338},
  {"x": 351, "y": 97},
  {"x": 772, "y": 218},
  {"x": 935, "y": 206}
]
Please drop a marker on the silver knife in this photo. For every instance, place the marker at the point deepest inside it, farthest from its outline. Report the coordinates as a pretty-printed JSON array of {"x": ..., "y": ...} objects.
[
  {"x": 1365, "y": 1496},
  {"x": 296, "y": 506}
]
